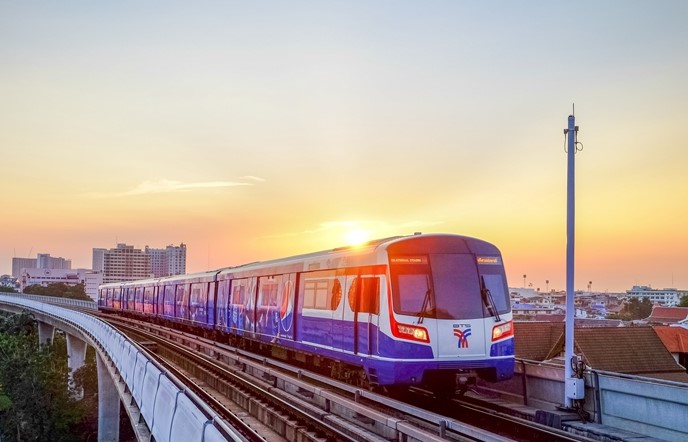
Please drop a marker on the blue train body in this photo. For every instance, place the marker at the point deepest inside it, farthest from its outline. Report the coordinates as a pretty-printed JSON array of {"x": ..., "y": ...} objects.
[{"x": 417, "y": 310}]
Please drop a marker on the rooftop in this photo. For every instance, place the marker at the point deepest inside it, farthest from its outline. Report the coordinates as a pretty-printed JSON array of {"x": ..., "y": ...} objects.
[
  {"x": 675, "y": 339},
  {"x": 630, "y": 350},
  {"x": 668, "y": 315}
]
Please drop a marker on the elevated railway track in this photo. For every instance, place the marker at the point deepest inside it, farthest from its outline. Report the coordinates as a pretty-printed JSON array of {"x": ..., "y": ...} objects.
[{"x": 297, "y": 404}]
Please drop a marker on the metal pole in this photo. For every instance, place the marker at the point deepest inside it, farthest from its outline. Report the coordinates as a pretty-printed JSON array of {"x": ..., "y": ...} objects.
[{"x": 570, "y": 229}]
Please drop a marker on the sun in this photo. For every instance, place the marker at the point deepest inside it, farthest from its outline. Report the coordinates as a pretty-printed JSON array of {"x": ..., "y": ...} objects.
[{"x": 357, "y": 237}]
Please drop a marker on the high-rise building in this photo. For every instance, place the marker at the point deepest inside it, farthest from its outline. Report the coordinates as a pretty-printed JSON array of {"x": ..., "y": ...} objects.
[
  {"x": 98, "y": 260},
  {"x": 168, "y": 261},
  {"x": 22, "y": 263},
  {"x": 42, "y": 261},
  {"x": 158, "y": 263},
  {"x": 45, "y": 261},
  {"x": 124, "y": 263}
]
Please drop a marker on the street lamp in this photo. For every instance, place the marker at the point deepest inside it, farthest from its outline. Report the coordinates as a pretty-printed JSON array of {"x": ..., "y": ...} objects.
[{"x": 524, "y": 281}]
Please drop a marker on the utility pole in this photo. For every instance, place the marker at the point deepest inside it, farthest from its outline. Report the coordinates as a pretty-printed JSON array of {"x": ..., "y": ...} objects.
[{"x": 573, "y": 386}]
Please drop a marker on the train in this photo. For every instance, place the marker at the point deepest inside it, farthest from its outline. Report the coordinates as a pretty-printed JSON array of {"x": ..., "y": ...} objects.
[{"x": 424, "y": 310}]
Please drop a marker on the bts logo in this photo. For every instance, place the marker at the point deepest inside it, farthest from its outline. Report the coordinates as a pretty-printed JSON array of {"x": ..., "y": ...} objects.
[{"x": 463, "y": 336}]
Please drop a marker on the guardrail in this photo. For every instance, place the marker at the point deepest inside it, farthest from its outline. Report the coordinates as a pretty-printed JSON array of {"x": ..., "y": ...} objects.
[
  {"x": 643, "y": 405},
  {"x": 171, "y": 412},
  {"x": 647, "y": 406},
  {"x": 57, "y": 300}
]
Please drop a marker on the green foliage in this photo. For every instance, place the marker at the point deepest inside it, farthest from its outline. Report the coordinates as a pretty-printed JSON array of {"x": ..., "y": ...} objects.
[
  {"x": 684, "y": 302},
  {"x": 86, "y": 377},
  {"x": 59, "y": 289},
  {"x": 5, "y": 289},
  {"x": 34, "y": 384}
]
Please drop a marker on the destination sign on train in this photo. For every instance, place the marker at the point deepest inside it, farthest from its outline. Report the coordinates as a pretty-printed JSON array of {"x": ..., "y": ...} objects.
[
  {"x": 489, "y": 260},
  {"x": 409, "y": 260}
]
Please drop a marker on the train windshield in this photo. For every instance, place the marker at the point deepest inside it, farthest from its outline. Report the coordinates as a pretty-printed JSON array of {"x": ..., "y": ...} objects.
[{"x": 441, "y": 286}]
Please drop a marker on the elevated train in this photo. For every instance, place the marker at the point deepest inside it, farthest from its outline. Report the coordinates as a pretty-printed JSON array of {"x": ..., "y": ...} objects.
[{"x": 422, "y": 310}]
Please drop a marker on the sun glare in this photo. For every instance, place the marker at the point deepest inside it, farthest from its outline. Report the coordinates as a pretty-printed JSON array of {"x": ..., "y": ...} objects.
[{"x": 356, "y": 237}]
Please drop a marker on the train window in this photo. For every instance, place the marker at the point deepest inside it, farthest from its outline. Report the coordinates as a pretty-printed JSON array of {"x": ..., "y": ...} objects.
[
  {"x": 239, "y": 291},
  {"x": 456, "y": 286},
  {"x": 223, "y": 293},
  {"x": 148, "y": 295},
  {"x": 447, "y": 288},
  {"x": 182, "y": 301},
  {"x": 269, "y": 290},
  {"x": 411, "y": 291},
  {"x": 199, "y": 293},
  {"x": 497, "y": 287},
  {"x": 169, "y": 294},
  {"x": 368, "y": 292},
  {"x": 318, "y": 289}
]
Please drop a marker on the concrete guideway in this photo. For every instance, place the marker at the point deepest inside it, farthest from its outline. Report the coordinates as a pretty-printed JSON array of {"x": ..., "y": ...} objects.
[{"x": 157, "y": 404}]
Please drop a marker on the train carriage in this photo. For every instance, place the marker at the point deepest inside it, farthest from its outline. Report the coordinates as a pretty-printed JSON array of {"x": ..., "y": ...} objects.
[{"x": 426, "y": 310}]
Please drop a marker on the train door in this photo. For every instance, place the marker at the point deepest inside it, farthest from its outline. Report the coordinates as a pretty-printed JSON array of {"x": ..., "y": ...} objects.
[
  {"x": 267, "y": 306},
  {"x": 342, "y": 324},
  {"x": 287, "y": 301},
  {"x": 361, "y": 313},
  {"x": 222, "y": 316}
]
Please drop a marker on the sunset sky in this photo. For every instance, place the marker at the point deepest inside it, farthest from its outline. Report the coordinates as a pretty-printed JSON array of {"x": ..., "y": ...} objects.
[{"x": 257, "y": 130}]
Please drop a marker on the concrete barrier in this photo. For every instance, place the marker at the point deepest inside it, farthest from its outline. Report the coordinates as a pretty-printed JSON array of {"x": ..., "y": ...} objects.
[{"x": 163, "y": 403}]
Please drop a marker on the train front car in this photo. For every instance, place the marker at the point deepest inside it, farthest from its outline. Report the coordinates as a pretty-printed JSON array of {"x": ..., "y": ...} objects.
[{"x": 450, "y": 313}]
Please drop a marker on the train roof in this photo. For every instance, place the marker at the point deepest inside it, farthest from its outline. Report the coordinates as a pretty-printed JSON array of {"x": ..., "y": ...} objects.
[{"x": 365, "y": 254}]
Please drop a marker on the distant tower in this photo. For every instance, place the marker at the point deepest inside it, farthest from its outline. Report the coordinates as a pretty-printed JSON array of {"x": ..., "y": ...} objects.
[
  {"x": 176, "y": 259},
  {"x": 158, "y": 263},
  {"x": 125, "y": 263},
  {"x": 169, "y": 261},
  {"x": 98, "y": 260}
]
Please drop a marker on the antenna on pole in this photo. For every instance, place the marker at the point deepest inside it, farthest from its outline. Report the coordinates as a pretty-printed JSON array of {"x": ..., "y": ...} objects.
[{"x": 574, "y": 386}]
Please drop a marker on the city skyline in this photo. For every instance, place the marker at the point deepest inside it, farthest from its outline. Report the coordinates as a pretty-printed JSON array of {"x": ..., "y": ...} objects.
[{"x": 260, "y": 131}]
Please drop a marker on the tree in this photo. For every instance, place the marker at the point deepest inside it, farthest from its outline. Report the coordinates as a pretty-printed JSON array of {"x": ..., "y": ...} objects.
[
  {"x": 684, "y": 302},
  {"x": 634, "y": 309},
  {"x": 5, "y": 289},
  {"x": 35, "y": 397},
  {"x": 59, "y": 289}
]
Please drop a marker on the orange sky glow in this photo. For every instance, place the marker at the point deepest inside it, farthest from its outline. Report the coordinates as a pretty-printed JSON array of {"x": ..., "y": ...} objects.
[{"x": 255, "y": 132}]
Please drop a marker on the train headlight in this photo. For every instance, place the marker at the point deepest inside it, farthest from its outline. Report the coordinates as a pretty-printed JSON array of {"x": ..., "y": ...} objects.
[
  {"x": 502, "y": 331},
  {"x": 412, "y": 332}
]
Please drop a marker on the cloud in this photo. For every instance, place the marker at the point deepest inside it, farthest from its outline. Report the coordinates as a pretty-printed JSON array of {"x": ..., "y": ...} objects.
[
  {"x": 253, "y": 178},
  {"x": 170, "y": 186}
]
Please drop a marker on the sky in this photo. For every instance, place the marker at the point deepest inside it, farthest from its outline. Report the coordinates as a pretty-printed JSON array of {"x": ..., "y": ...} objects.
[{"x": 258, "y": 130}]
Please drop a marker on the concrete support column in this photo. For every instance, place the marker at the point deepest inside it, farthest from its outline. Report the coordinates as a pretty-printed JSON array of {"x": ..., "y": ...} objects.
[
  {"x": 76, "y": 358},
  {"x": 46, "y": 332},
  {"x": 108, "y": 404}
]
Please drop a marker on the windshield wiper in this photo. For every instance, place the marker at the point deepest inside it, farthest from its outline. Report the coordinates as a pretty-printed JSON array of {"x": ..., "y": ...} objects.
[
  {"x": 426, "y": 301},
  {"x": 488, "y": 299}
]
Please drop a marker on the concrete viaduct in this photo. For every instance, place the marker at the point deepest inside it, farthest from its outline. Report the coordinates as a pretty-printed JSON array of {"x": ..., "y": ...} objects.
[{"x": 159, "y": 406}]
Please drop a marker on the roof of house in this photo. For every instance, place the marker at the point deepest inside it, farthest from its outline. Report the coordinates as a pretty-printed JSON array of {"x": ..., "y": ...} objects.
[
  {"x": 668, "y": 315},
  {"x": 630, "y": 350},
  {"x": 675, "y": 339},
  {"x": 535, "y": 340}
]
